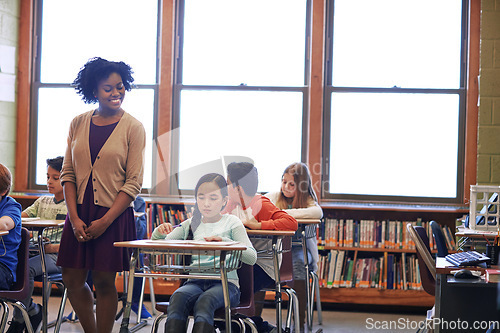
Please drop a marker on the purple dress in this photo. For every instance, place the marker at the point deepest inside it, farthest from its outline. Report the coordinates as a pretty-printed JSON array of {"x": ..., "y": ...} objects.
[{"x": 97, "y": 254}]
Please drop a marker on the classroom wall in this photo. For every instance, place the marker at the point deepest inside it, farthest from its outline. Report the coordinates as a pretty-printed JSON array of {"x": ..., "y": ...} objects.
[
  {"x": 9, "y": 25},
  {"x": 488, "y": 157}
]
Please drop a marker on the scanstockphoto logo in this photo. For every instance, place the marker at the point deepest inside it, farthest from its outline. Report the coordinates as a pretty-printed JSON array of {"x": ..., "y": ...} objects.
[
  {"x": 402, "y": 323},
  {"x": 184, "y": 179},
  {"x": 394, "y": 325},
  {"x": 178, "y": 172}
]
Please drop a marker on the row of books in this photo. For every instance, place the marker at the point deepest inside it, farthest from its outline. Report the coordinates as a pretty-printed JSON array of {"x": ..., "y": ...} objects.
[
  {"x": 375, "y": 234},
  {"x": 159, "y": 213},
  {"x": 342, "y": 269}
]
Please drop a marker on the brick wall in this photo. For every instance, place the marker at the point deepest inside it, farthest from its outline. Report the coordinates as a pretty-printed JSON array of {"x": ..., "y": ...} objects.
[
  {"x": 9, "y": 25},
  {"x": 488, "y": 159}
]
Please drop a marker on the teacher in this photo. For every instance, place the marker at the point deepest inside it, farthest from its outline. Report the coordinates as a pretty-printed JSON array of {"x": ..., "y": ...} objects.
[{"x": 101, "y": 176}]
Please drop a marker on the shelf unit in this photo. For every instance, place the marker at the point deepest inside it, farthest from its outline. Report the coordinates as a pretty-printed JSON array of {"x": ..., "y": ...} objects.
[
  {"x": 446, "y": 215},
  {"x": 443, "y": 214}
]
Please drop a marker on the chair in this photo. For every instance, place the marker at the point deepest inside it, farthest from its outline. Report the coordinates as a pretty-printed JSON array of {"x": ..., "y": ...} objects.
[
  {"x": 437, "y": 232},
  {"x": 53, "y": 234},
  {"x": 426, "y": 264},
  {"x": 286, "y": 277},
  {"x": 20, "y": 289},
  {"x": 245, "y": 308}
]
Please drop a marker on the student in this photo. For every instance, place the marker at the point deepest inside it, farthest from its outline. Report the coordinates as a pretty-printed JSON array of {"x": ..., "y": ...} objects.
[
  {"x": 297, "y": 198},
  {"x": 205, "y": 296},
  {"x": 102, "y": 174},
  {"x": 256, "y": 212},
  {"x": 10, "y": 220},
  {"x": 46, "y": 208}
]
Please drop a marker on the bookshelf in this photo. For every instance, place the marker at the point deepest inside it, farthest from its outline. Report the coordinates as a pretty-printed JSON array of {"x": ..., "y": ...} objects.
[
  {"x": 445, "y": 215},
  {"x": 375, "y": 248}
]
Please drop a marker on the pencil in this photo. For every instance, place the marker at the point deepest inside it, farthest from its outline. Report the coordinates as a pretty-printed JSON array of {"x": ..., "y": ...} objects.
[{"x": 486, "y": 239}]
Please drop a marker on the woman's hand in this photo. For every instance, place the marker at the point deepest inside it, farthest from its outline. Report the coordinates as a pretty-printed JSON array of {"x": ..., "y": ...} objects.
[
  {"x": 97, "y": 228},
  {"x": 79, "y": 230},
  {"x": 165, "y": 228},
  {"x": 213, "y": 239}
]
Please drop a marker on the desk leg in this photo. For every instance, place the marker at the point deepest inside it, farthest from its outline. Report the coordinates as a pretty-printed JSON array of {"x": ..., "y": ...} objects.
[
  {"x": 438, "y": 297},
  {"x": 225, "y": 290},
  {"x": 277, "y": 280},
  {"x": 126, "y": 311},
  {"x": 45, "y": 282},
  {"x": 309, "y": 293}
]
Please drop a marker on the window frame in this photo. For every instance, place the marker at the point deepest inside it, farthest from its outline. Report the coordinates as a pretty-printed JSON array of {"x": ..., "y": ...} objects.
[
  {"x": 178, "y": 87},
  {"x": 36, "y": 85},
  {"x": 329, "y": 90}
]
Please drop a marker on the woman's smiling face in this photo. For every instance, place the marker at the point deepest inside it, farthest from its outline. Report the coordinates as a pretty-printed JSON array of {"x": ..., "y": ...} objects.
[{"x": 111, "y": 92}]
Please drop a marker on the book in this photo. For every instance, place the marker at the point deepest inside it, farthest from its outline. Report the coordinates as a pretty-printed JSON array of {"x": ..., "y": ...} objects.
[
  {"x": 492, "y": 275},
  {"x": 331, "y": 269},
  {"x": 338, "y": 269}
]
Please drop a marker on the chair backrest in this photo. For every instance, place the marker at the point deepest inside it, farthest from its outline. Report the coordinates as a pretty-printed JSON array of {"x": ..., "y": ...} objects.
[
  {"x": 426, "y": 263},
  {"x": 286, "y": 268},
  {"x": 20, "y": 288},
  {"x": 245, "y": 275},
  {"x": 437, "y": 232}
]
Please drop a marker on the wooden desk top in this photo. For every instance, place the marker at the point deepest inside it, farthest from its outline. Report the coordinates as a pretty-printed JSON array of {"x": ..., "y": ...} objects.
[
  {"x": 165, "y": 244},
  {"x": 308, "y": 221},
  {"x": 42, "y": 223},
  {"x": 260, "y": 232}
]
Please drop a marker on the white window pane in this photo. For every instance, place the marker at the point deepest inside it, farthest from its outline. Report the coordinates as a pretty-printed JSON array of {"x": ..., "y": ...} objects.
[
  {"x": 265, "y": 127},
  {"x": 117, "y": 30},
  {"x": 394, "y": 144},
  {"x": 386, "y": 43},
  {"x": 54, "y": 120},
  {"x": 258, "y": 42}
]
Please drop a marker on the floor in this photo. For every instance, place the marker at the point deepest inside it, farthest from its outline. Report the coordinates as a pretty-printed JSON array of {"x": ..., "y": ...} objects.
[{"x": 334, "y": 320}]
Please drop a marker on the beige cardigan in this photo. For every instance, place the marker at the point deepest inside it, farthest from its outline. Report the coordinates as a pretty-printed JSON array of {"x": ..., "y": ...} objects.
[{"x": 118, "y": 167}]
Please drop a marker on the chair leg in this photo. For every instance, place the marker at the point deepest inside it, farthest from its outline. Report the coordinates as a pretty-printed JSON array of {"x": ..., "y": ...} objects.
[
  {"x": 152, "y": 295},
  {"x": 26, "y": 316},
  {"x": 60, "y": 314},
  {"x": 156, "y": 322},
  {"x": 5, "y": 315},
  {"x": 315, "y": 285},
  {"x": 250, "y": 323},
  {"x": 293, "y": 308}
]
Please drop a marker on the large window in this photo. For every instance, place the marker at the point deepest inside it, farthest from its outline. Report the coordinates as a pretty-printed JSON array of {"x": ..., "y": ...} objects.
[
  {"x": 240, "y": 87},
  {"x": 69, "y": 34},
  {"x": 395, "y": 100}
]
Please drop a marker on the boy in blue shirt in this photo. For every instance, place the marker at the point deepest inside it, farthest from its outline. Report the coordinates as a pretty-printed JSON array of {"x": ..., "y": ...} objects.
[
  {"x": 46, "y": 208},
  {"x": 10, "y": 220}
]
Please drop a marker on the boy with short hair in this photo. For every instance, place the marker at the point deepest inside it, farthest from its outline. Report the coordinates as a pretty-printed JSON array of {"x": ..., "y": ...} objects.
[
  {"x": 10, "y": 220},
  {"x": 256, "y": 212},
  {"x": 46, "y": 208}
]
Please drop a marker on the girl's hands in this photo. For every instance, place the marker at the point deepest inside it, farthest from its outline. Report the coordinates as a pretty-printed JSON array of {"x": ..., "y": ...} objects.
[
  {"x": 165, "y": 228},
  {"x": 213, "y": 239}
]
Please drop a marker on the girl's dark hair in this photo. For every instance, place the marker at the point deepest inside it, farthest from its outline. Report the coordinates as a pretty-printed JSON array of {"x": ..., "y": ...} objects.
[
  {"x": 5, "y": 180},
  {"x": 97, "y": 69},
  {"x": 55, "y": 163},
  {"x": 208, "y": 178}
]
